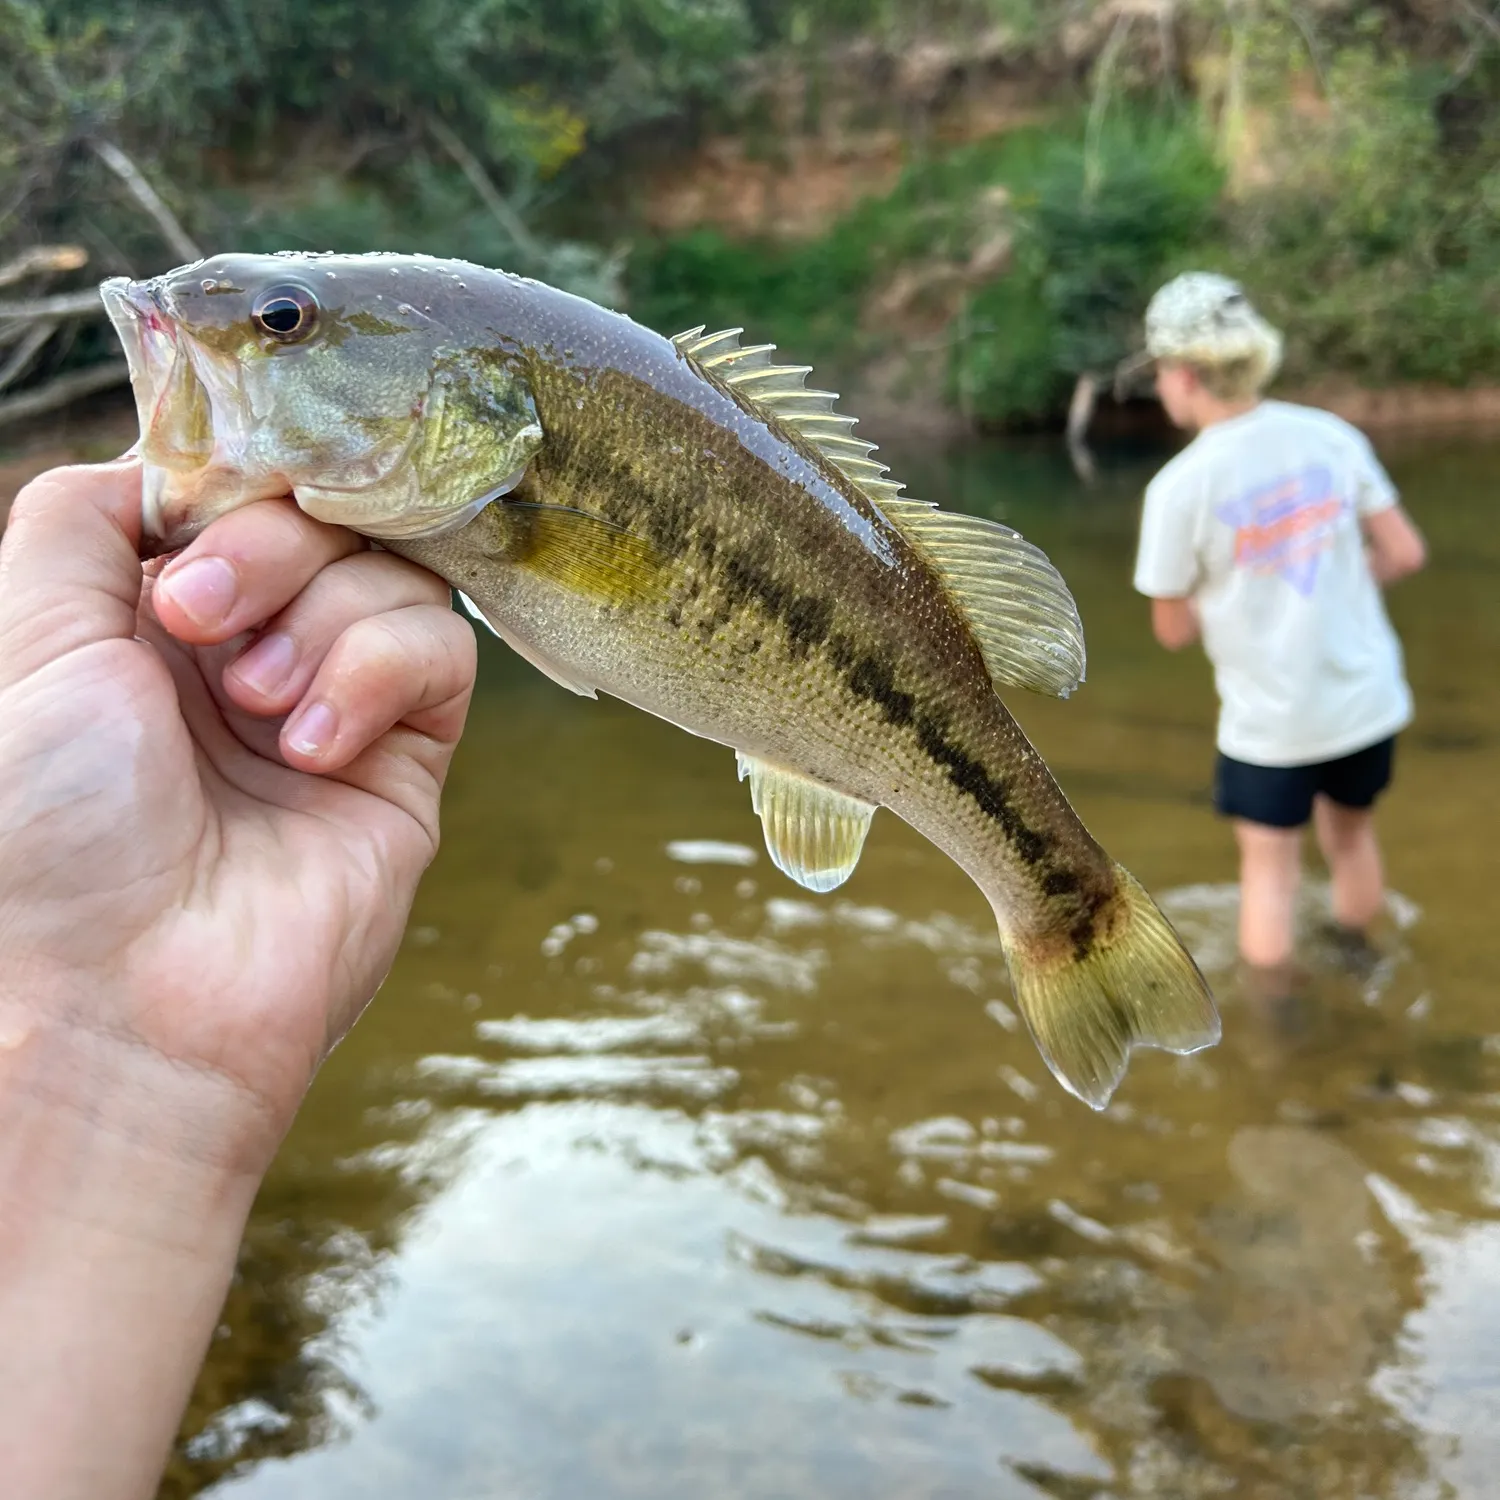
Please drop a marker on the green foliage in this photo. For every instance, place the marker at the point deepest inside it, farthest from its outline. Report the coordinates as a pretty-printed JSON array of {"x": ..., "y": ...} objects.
[
  {"x": 1095, "y": 238},
  {"x": 801, "y": 297},
  {"x": 320, "y": 114},
  {"x": 808, "y": 296},
  {"x": 1375, "y": 242},
  {"x": 1361, "y": 205}
]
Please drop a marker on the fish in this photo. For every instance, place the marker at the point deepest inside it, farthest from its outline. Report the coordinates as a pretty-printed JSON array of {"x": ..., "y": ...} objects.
[{"x": 684, "y": 524}]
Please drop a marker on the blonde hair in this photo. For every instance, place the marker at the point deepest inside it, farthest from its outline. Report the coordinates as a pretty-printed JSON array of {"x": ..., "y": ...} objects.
[{"x": 1233, "y": 379}]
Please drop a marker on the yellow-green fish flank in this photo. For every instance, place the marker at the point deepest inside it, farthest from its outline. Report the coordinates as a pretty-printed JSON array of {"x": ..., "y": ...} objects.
[{"x": 682, "y": 524}]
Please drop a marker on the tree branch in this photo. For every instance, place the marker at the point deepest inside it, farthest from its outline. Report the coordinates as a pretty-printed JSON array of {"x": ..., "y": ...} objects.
[
  {"x": 509, "y": 220},
  {"x": 41, "y": 258},
  {"x": 64, "y": 305},
  {"x": 30, "y": 347},
  {"x": 1080, "y": 414},
  {"x": 182, "y": 243},
  {"x": 64, "y": 389}
]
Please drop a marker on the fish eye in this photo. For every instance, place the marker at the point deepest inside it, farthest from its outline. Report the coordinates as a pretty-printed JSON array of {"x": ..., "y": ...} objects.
[{"x": 287, "y": 314}]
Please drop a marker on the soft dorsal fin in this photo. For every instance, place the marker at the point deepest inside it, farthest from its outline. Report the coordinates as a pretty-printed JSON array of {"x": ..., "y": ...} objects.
[{"x": 1015, "y": 601}]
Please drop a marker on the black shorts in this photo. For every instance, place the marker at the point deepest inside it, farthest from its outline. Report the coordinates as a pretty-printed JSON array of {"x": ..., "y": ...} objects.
[{"x": 1282, "y": 796}]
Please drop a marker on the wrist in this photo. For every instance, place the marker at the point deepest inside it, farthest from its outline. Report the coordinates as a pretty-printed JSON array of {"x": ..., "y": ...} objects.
[
  {"x": 121, "y": 1214},
  {"x": 98, "y": 1115}
]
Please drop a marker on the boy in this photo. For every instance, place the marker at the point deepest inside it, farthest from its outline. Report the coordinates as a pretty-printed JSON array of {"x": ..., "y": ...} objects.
[{"x": 1270, "y": 536}]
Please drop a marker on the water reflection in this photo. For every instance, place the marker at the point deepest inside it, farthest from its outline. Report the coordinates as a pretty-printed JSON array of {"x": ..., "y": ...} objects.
[{"x": 650, "y": 1175}]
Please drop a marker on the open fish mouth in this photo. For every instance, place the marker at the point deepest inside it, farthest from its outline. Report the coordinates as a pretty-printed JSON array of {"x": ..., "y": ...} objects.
[
  {"x": 189, "y": 474},
  {"x": 152, "y": 349}
]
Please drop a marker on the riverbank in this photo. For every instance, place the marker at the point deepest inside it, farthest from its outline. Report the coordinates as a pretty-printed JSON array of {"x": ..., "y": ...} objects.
[
  {"x": 934, "y": 210},
  {"x": 99, "y": 431}
]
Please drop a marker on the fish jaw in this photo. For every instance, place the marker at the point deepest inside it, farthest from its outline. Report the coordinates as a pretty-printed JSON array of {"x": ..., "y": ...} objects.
[{"x": 192, "y": 427}]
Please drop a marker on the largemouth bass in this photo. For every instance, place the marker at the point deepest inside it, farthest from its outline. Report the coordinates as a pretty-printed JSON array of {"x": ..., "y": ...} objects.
[{"x": 683, "y": 524}]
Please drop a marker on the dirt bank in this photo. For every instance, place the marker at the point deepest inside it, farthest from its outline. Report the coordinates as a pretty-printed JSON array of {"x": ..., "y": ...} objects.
[
  {"x": 1401, "y": 406},
  {"x": 98, "y": 435}
]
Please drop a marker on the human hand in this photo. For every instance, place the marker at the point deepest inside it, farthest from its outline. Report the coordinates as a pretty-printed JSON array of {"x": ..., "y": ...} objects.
[
  {"x": 207, "y": 858},
  {"x": 205, "y": 867}
]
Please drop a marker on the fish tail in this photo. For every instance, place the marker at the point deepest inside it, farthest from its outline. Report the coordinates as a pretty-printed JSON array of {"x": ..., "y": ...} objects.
[{"x": 1128, "y": 982}]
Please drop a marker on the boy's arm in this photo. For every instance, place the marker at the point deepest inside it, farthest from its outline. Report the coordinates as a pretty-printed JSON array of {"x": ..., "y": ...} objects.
[
  {"x": 1166, "y": 566},
  {"x": 1396, "y": 548},
  {"x": 1174, "y": 622},
  {"x": 1393, "y": 544}
]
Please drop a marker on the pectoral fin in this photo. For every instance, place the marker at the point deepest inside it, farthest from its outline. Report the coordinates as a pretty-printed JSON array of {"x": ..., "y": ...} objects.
[
  {"x": 583, "y": 553},
  {"x": 813, "y": 834}
]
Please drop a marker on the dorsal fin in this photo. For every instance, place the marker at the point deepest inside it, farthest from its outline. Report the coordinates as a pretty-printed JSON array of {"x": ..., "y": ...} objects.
[
  {"x": 1015, "y": 601},
  {"x": 780, "y": 393}
]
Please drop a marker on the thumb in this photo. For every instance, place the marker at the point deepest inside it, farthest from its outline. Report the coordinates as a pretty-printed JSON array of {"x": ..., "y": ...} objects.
[{"x": 69, "y": 570}]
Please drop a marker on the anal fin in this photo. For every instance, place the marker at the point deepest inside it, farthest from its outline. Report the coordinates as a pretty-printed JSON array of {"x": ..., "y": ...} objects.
[{"x": 813, "y": 834}]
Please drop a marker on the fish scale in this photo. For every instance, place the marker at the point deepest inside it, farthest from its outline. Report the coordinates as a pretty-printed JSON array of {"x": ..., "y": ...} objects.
[{"x": 684, "y": 525}]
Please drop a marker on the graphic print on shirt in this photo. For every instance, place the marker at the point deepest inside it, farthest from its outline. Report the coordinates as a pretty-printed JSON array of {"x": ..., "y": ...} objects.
[{"x": 1286, "y": 526}]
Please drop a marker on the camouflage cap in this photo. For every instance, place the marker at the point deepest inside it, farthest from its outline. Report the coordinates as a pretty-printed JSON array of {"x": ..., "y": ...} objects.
[{"x": 1203, "y": 318}]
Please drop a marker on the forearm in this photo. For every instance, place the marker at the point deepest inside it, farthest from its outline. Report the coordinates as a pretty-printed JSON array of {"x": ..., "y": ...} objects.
[
  {"x": 1175, "y": 622},
  {"x": 1387, "y": 570},
  {"x": 120, "y": 1219}
]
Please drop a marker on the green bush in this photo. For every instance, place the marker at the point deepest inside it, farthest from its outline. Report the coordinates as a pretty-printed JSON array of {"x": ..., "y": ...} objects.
[
  {"x": 1096, "y": 236},
  {"x": 1376, "y": 243}
]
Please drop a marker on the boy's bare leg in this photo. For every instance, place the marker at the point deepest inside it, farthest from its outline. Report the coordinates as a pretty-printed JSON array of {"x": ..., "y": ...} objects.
[
  {"x": 1270, "y": 869},
  {"x": 1346, "y": 835}
]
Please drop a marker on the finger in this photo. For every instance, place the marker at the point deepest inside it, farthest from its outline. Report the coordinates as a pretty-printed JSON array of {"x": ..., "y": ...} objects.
[
  {"x": 413, "y": 667},
  {"x": 247, "y": 566},
  {"x": 274, "y": 671},
  {"x": 69, "y": 570}
]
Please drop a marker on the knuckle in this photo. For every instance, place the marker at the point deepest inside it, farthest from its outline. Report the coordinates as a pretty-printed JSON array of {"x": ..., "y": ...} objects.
[
  {"x": 45, "y": 491},
  {"x": 426, "y": 650},
  {"x": 375, "y": 645}
]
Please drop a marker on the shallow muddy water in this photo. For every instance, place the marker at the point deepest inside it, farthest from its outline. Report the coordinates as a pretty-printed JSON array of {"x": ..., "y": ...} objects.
[{"x": 650, "y": 1175}]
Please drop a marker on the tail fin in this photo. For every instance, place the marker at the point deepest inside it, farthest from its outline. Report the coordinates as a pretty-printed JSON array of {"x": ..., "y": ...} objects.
[{"x": 1137, "y": 986}]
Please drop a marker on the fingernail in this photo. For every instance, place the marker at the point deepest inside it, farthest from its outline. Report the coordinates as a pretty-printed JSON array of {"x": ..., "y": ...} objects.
[
  {"x": 313, "y": 730},
  {"x": 267, "y": 664},
  {"x": 202, "y": 589}
]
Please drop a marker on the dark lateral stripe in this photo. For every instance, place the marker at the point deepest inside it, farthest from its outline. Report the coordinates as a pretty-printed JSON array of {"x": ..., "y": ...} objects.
[
  {"x": 674, "y": 520},
  {"x": 871, "y": 678},
  {"x": 807, "y": 621}
]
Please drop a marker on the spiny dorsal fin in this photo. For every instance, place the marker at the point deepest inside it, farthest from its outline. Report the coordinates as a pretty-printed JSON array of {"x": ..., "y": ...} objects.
[
  {"x": 1015, "y": 601},
  {"x": 780, "y": 393}
]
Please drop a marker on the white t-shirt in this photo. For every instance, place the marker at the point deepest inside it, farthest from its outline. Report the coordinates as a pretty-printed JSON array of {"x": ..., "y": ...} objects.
[{"x": 1258, "y": 520}]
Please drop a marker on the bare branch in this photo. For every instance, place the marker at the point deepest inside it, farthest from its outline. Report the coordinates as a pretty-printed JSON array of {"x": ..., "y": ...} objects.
[
  {"x": 29, "y": 348},
  {"x": 1093, "y": 166},
  {"x": 1080, "y": 414},
  {"x": 182, "y": 243},
  {"x": 64, "y": 389},
  {"x": 41, "y": 258},
  {"x": 1489, "y": 23},
  {"x": 509, "y": 220},
  {"x": 64, "y": 305}
]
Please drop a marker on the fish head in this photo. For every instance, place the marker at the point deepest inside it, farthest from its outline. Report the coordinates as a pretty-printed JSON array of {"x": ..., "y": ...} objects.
[{"x": 369, "y": 387}]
